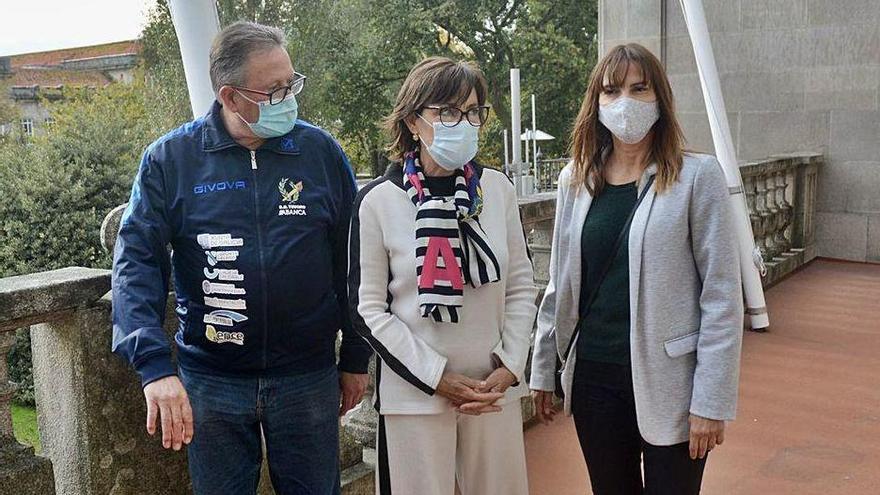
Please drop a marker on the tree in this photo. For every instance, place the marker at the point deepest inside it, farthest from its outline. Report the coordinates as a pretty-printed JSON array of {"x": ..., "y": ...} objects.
[
  {"x": 164, "y": 68},
  {"x": 552, "y": 42},
  {"x": 357, "y": 52},
  {"x": 57, "y": 188}
]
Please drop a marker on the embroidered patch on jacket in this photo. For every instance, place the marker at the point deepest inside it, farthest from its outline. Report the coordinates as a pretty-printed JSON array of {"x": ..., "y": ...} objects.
[
  {"x": 220, "y": 337},
  {"x": 290, "y": 192},
  {"x": 224, "y": 318}
]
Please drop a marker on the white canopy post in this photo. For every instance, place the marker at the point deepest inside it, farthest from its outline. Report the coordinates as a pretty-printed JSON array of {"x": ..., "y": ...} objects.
[
  {"x": 196, "y": 23},
  {"x": 506, "y": 156},
  {"x": 515, "y": 131},
  {"x": 534, "y": 141},
  {"x": 751, "y": 263}
]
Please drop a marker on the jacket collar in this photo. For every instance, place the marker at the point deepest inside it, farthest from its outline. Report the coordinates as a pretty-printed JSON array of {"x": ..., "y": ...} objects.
[
  {"x": 648, "y": 172},
  {"x": 215, "y": 137}
]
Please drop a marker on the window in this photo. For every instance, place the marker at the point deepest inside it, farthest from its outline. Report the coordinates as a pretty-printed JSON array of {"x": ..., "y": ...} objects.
[
  {"x": 48, "y": 123},
  {"x": 27, "y": 127}
]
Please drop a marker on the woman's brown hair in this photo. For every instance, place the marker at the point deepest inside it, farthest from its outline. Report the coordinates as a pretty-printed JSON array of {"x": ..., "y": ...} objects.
[
  {"x": 590, "y": 140},
  {"x": 435, "y": 80}
]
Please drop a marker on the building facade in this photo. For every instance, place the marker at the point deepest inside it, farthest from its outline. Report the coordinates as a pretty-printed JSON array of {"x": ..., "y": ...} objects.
[{"x": 35, "y": 78}]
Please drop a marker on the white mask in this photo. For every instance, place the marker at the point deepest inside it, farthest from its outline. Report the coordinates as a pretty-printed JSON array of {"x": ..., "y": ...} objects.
[
  {"x": 629, "y": 119},
  {"x": 453, "y": 147}
]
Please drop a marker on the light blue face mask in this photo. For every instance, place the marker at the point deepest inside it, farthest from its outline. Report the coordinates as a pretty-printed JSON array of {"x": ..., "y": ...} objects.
[
  {"x": 453, "y": 147},
  {"x": 275, "y": 120}
]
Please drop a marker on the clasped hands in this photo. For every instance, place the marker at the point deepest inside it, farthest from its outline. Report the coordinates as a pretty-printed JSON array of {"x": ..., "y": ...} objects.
[{"x": 476, "y": 397}]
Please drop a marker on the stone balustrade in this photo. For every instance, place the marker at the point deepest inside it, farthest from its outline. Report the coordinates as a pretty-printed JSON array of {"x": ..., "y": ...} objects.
[
  {"x": 91, "y": 407},
  {"x": 781, "y": 195},
  {"x": 548, "y": 173}
]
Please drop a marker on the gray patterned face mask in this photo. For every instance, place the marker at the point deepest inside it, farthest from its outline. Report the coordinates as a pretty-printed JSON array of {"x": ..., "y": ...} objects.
[{"x": 629, "y": 119}]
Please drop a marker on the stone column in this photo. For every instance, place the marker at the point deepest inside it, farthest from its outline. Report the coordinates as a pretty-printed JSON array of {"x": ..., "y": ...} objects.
[
  {"x": 93, "y": 413},
  {"x": 6, "y": 389},
  {"x": 803, "y": 223}
]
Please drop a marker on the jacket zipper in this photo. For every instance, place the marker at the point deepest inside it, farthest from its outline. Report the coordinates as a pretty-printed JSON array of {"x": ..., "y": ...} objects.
[{"x": 260, "y": 251}]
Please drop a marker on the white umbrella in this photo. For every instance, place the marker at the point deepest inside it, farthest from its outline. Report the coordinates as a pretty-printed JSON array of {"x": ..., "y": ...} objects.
[{"x": 539, "y": 136}]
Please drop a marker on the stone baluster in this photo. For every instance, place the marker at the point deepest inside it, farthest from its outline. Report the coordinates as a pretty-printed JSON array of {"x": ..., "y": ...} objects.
[
  {"x": 749, "y": 190},
  {"x": 21, "y": 472},
  {"x": 778, "y": 215},
  {"x": 772, "y": 188},
  {"x": 783, "y": 236},
  {"x": 763, "y": 212},
  {"x": 772, "y": 214},
  {"x": 6, "y": 389},
  {"x": 786, "y": 177}
]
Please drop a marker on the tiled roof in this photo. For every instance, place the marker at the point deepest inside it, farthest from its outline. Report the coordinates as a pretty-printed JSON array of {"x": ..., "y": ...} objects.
[
  {"x": 55, "y": 57},
  {"x": 44, "y": 68},
  {"x": 55, "y": 77}
]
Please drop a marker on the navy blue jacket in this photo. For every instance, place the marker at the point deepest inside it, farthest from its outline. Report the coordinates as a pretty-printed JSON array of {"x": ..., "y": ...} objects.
[{"x": 259, "y": 255}]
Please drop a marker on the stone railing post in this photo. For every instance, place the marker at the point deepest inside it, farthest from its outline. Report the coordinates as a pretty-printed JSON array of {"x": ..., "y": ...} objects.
[
  {"x": 50, "y": 296},
  {"x": 21, "y": 472},
  {"x": 537, "y": 212},
  {"x": 803, "y": 230},
  {"x": 6, "y": 389},
  {"x": 92, "y": 412}
]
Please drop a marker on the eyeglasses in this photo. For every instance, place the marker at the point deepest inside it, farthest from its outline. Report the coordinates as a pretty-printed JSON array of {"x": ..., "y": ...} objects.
[
  {"x": 278, "y": 95},
  {"x": 452, "y": 116}
]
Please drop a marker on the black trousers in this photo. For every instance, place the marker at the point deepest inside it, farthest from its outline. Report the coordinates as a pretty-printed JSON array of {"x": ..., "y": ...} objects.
[{"x": 605, "y": 417}]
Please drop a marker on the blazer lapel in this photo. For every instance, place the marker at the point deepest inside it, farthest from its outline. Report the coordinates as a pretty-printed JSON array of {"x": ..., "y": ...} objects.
[
  {"x": 636, "y": 241},
  {"x": 583, "y": 200}
]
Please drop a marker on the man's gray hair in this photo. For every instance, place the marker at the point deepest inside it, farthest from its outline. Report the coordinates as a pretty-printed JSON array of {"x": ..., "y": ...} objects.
[{"x": 232, "y": 47}]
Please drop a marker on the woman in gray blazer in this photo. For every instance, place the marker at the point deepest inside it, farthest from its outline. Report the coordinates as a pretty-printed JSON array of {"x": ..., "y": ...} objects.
[{"x": 644, "y": 305}]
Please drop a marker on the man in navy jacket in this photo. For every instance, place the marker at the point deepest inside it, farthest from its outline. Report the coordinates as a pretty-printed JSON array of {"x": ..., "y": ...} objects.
[{"x": 255, "y": 205}]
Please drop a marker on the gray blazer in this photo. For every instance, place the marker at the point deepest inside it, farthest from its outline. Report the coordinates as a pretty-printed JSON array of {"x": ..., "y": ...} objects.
[{"x": 686, "y": 304}]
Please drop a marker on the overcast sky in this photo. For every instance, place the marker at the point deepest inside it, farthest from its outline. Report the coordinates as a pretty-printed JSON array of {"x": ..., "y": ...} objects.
[{"x": 38, "y": 25}]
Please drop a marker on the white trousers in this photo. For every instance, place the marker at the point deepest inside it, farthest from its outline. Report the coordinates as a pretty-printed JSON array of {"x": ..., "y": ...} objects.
[{"x": 427, "y": 454}]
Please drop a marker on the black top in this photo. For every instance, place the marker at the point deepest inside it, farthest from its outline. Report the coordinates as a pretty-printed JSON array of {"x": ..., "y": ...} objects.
[
  {"x": 604, "y": 327},
  {"x": 441, "y": 186}
]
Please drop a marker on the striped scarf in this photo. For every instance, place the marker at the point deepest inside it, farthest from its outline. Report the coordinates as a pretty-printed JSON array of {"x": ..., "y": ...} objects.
[{"x": 448, "y": 237}]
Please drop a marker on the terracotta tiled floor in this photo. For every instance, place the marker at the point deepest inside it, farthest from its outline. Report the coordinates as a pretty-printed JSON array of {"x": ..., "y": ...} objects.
[{"x": 809, "y": 411}]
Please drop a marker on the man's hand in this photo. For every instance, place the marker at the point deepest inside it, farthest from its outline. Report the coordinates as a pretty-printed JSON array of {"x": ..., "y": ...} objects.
[
  {"x": 462, "y": 390},
  {"x": 167, "y": 399},
  {"x": 352, "y": 386},
  {"x": 543, "y": 406},
  {"x": 705, "y": 434}
]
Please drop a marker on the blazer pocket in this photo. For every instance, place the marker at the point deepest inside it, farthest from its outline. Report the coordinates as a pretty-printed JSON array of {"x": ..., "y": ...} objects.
[{"x": 680, "y": 346}]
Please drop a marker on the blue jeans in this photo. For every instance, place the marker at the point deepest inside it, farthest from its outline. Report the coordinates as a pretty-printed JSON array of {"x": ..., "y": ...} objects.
[{"x": 299, "y": 416}]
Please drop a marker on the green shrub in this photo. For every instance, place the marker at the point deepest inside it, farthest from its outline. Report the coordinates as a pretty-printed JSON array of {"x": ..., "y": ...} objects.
[{"x": 57, "y": 188}]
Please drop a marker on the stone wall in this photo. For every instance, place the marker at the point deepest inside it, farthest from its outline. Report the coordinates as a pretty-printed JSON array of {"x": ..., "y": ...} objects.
[{"x": 797, "y": 75}]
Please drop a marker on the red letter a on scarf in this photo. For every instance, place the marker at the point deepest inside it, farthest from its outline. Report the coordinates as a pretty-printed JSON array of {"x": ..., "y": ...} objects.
[{"x": 431, "y": 272}]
